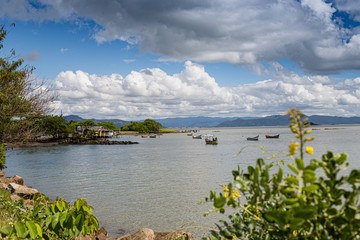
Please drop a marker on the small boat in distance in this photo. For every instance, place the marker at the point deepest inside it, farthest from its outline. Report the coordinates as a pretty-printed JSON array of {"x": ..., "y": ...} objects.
[
  {"x": 272, "y": 136},
  {"x": 153, "y": 136},
  {"x": 210, "y": 139},
  {"x": 144, "y": 136},
  {"x": 253, "y": 138},
  {"x": 189, "y": 134},
  {"x": 197, "y": 137}
]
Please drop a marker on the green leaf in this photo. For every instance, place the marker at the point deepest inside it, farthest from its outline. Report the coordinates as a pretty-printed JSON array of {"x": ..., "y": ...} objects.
[
  {"x": 7, "y": 231},
  {"x": 292, "y": 167},
  {"x": 62, "y": 218},
  {"x": 20, "y": 229},
  {"x": 332, "y": 211},
  {"x": 280, "y": 175},
  {"x": 39, "y": 229},
  {"x": 299, "y": 163},
  {"x": 311, "y": 187},
  {"x": 32, "y": 229},
  {"x": 219, "y": 202},
  {"x": 59, "y": 205},
  {"x": 305, "y": 212},
  {"x": 296, "y": 223},
  {"x": 55, "y": 220}
]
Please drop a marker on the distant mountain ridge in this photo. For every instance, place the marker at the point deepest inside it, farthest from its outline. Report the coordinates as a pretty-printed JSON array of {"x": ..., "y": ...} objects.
[
  {"x": 118, "y": 123},
  {"x": 207, "y": 122},
  {"x": 283, "y": 120},
  {"x": 191, "y": 122}
]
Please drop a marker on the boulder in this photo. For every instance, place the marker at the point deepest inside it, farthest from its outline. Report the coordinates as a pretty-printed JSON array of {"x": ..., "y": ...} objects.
[
  {"x": 16, "y": 179},
  {"x": 142, "y": 234},
  {"x": 3, "y": 185},
  {"x": 21, "y": 190},
  {"x": 19, "y": 180}
]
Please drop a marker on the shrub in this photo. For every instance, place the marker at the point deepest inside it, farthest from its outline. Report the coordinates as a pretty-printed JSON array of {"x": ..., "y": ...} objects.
[
  {"x": 51, "y": 220},
  {"x": 304, "y": 204}
]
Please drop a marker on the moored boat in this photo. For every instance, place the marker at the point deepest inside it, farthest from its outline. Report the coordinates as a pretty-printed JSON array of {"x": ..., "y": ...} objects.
[
  {"x": 197, "y": 137},
  {"x": 253, "y": 138},
  {"x": 144, "y": 136},
  {"x": 153, "y": 136},
  {"x": 210, "y": 139},
  {"x": 272, "y": 136}
]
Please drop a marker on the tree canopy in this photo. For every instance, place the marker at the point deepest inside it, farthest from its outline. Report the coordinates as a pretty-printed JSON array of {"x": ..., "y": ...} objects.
[
  {"x": 148, "y": 126},
  {"x": 22, "y": 98}
]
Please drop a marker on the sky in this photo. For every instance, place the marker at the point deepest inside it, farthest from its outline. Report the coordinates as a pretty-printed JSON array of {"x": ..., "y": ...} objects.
[{"x": 138, "y": 59}]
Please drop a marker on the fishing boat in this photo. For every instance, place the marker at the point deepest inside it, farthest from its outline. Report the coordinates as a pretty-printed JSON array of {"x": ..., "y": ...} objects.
[
  {"x": 253, "y": 138},
  {"x": 197, "y": 137},
  {"x": 189, "y": 134},
  {"x": 153, "y": 136},
  {"x": 144, "y": 136},
  {"x": 272, "y": 136},
  {"x": 210, "y": 139}
]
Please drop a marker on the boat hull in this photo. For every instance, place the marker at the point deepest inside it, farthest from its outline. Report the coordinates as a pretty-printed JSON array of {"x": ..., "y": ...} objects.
[
  {"x": 274, "y": 136},
  {"x": 253, "y": 138}
]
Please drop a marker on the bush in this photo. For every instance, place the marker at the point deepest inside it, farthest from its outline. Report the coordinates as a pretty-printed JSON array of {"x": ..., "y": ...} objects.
[
  {"x": 304, "y": 204},
  {"x": 50, "y": 219}
]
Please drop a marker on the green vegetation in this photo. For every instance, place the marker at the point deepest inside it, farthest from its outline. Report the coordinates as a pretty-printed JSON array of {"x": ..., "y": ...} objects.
[
  {"x": 22, "y": 99},
  {"x": 168, "y": 130},
  {"x": 47, "y": 219},
  {"x": 302, "y": 204},
  {"x": 55, "y": 126},
  {"x": 148, "y": 126}
]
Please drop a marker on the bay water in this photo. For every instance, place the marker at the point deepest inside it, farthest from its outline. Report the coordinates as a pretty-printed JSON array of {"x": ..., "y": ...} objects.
[{"x": 159, "y": 182}]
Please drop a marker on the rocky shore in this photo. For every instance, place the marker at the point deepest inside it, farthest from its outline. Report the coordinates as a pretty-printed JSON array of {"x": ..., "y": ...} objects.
[
  {"x": 68, "y": 141},
  {"x": 18, "y": 190},
  {"x": 94, "y": 142}
]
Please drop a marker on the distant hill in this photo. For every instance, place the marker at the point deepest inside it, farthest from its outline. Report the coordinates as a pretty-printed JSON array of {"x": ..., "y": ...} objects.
[
  {"x": 283, "y": 120},
  {"x": 206, "y": 122},
  {"x": 192, "y": 122},
  {"x": 118, "y": 123}
]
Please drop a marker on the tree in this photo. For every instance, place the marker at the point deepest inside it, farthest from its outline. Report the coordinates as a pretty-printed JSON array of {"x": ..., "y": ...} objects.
[
  {"x": 147, "y": 126},
  {"x": 22, "y": 98},
  {"x": 107, "y": 125},
  {"x": 87, "y": 123},
  {"x": 56, "y": 126}
]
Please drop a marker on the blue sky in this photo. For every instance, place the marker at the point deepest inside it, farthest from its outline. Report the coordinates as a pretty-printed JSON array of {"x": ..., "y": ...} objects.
[{"x": 133, "y": 60}]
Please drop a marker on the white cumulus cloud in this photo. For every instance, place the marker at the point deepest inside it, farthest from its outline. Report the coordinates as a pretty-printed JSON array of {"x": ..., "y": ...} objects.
[{"x": 152, "y": 93}]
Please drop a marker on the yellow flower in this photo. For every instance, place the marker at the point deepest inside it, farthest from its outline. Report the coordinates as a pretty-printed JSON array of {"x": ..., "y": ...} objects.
[
  {"x": 234, "y": 236},
  {"x": 292, "y": 148},
  {"x": 309, "y": 150},
  {"x": 226, "y": 189},
  {"x": 236, "y": 193},
  {"x": 226, "y": 195},
  {"x": 233, "y": 197}
]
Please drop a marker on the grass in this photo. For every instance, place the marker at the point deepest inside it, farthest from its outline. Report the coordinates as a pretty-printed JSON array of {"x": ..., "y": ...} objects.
[
  {"x": 168, "y": 130},
  {"x": 9, "y": 211},
  {"x": 5, "y": 208}
]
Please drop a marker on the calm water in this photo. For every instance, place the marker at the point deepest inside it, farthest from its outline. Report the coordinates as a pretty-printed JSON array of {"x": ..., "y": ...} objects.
[{"x": 158, "y": 183}]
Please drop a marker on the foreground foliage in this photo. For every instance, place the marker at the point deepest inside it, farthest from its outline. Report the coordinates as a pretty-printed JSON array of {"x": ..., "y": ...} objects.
[
  {"x": 304, "y": 204},
  {"x": 47, "y": 219}
]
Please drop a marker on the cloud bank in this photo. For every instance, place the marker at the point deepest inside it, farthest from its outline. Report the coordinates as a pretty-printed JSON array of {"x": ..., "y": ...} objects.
[
  {"x": 152, "y": 93},
  {"x": 322, "y": 37}
]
